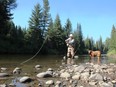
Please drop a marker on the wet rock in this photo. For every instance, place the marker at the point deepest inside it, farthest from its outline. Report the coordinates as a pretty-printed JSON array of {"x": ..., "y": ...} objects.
[
  {"x": 3, "y": 69},
  {"x": 96, "y": 66},
  {"x": 17, "y": 70},
  {"x": 38, "y": 67},
  {"x": 41, "y": 83},
  {"x": 50, "y": 69},
  {"x": 114, "y": 81},
  {"x": 96, "y": 77},
  {"x": 92, "y": 83},
  {"x": 44, "y": 74},
  {"x": 65, "y": 75},
  {"x": 62, "y": 71},
  {"x": 85, "y": 76},
  {"x": 4, "y": 74},
  {"x": 104, "y": 84},
  {"x": 41, "y": 75},
  {"x": 99, "y": 70},
  {"x": 104, "y": 66},
  {"x": 50, "y": 82},
  {"x": 49, "y": 72},
  {"x": 79, "y": 68},
  {"x": 110, "y": 70},
  {"x": 76, "y": 77},
  {"x": 58, "y": 84},
  {"x": 25, "y": 79},
  {"x": 3, "y": 85},
  {"x": 12, "y": 85}
]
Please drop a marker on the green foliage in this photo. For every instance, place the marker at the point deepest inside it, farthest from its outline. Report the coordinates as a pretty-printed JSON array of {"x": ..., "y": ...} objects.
[
  {"x": 107, "y": 44},
  {"x": 57, "y": 38},
  {"x": 88, "y": 43},
  {"x": 5, "y": 15},
  {"x": 68, "y": 28},
  {"x": 34, "y": 37},
  {"x": 112, "y": 42},
  {"x": 113, "y": 39},
  {"x": 79, "y": 43},
  {"x": 14, "y": 39},
  {"x": 99, "y": 45},
  {"x": 111, "y": 52}
]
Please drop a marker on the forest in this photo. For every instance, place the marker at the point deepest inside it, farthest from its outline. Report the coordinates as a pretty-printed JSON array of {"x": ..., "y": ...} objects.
[{"x": 46, "y": 32}]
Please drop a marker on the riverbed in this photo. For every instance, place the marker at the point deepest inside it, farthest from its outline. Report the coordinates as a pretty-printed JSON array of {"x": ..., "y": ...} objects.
[{"x": 50, "y": 61}]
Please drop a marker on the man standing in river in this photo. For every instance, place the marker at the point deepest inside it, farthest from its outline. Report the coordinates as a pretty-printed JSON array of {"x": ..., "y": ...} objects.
[{"x": 70, "y": 45}]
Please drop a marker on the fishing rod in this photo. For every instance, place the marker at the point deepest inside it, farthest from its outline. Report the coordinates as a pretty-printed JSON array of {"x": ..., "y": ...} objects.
[{"x": 74, "y": 46}]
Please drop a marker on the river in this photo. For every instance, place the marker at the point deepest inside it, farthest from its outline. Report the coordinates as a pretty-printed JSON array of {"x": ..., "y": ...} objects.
[{"x": 49, "y": 61}]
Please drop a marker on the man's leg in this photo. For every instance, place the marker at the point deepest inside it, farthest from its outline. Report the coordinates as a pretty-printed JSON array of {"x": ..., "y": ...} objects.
[
  {"x": 72, "y": 52},
  {"x": 69, "y": 56},
  {"x": 72, "y": 56},
  {"x": 69, "y": 53}
]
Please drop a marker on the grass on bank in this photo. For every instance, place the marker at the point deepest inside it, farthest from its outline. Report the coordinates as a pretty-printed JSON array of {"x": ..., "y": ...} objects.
[
  {"x": 111, "y": 52},
  {"x": 112, "y": 56}
]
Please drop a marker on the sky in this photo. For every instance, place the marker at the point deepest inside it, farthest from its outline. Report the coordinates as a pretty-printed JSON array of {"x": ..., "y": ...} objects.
[{"x": 95, "y": 16}]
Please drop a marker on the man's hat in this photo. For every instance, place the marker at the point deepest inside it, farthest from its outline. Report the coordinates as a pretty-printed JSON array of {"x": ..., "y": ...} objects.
[{"x": 71, "y": 35}]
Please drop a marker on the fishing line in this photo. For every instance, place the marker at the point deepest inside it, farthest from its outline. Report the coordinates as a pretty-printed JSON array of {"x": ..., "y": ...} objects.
[{"x": 35, "y": 53}]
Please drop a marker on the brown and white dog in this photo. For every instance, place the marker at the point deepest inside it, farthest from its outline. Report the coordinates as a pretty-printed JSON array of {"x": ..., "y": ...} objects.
[{"x": 94, "y": 53}]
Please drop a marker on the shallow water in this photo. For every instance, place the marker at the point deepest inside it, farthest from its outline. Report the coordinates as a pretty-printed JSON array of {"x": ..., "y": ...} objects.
[{"x": 50, "y": 61}]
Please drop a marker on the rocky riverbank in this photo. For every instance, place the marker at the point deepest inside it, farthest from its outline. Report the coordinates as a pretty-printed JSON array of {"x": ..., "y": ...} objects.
[{"x": 67, "y": 75}]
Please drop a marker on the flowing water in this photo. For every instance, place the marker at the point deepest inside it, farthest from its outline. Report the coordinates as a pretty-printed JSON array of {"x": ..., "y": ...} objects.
[{"x": 49, "y": 61}]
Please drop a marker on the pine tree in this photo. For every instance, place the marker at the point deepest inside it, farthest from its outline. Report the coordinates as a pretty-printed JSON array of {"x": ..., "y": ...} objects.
[
  {"x": 58, "y": 37},
  {"x": 99, "y": 45},
  {"x": 107, "y": 45},
  {"x": 45, "y": 17},
  {"x": 113, "y": 39},
  {"x": 88, "y": 43},
  {"x": 80, "y": 47},
  {"x": 34, "y": 34},
  {"x": 68, "y": 27},
  {"x": 5, "y": 14}
]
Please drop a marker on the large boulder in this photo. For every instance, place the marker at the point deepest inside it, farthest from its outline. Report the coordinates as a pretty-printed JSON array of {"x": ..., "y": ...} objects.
[
  {"x": 25, "y": 79},
  {"x": 4, "y": 74},
  {"x": 44, "y": 74}
]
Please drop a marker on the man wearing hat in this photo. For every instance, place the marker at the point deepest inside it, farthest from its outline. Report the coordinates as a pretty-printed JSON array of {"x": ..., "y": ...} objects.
[{"x": 70, "y": 45}]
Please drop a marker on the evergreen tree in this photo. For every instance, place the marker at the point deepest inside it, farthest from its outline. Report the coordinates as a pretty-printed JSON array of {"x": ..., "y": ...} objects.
[
  {"x": 50, "y": 34},
  {"x": 45, "y": 17},
  {"x": 92, "y": 44},
  {"x": 107, "y": 45},
  {"x": 80, "y": 47},
  {"x": 5, "y": 14},
  {"x": 113, "y": 39},
  {"x": 68, "y": 27},
  {"x": 88, "y": 43},
  {"x": 34, "y": 35},
  {"x": 57, "y": 38},
  {"x": 100, "y": 44}
]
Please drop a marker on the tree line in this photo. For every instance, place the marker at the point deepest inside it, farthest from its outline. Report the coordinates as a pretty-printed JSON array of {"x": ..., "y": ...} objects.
[{"x": 46, "y": 32}]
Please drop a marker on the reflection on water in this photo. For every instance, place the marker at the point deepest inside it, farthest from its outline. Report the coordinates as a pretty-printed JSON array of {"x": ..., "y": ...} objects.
[{"x": 50, "y": 61}]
